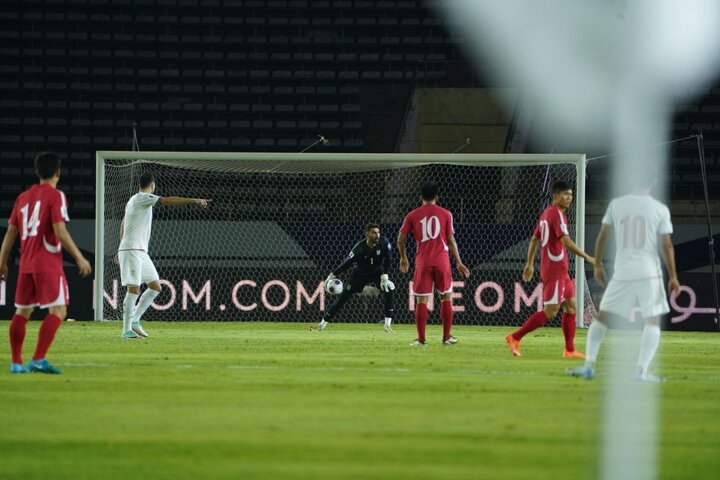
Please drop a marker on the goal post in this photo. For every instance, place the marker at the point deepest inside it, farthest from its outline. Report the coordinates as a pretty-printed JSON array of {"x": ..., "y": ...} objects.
[{"x": 280, "y": 222}]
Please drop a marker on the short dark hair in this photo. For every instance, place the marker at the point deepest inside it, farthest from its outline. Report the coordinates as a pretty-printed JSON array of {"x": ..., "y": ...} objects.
[
  {"x": 559, "y": 187},
  {"x": 47, "y": 164},
  {"x": 370, "y": 226},
  {"x": 429, "y": 191},
  {"x": 644, "y": 174},
  {"x": 146, "y": 179}
]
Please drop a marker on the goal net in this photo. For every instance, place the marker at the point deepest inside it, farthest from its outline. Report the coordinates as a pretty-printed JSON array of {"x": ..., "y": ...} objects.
[{"x": 279, "y": 223}]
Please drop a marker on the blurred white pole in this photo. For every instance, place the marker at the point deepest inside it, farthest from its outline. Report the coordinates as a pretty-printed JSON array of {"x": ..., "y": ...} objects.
[{"x": 609, "y": 73}]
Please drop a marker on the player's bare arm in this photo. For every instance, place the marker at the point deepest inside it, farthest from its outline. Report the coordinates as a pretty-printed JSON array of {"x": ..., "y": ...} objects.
[
  {"x": 452, "y": 244},
  {"x": 7, "y": 245},
  {"x": 600, "y": 245},
  {"x": 68, "y": 244},
  {"x": 668, "y": 253},
  {"x": 404, "y": 264},
  {"x": 529, "y": 269},
  {"x": 570, "y": 245},
  {"x": 178, "y": 201}
]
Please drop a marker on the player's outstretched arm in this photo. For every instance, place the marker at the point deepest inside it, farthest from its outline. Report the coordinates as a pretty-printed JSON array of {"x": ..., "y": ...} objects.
[
  {"x": 668, "y": 252},
  {"x": 347, "y": 263},
  {"x": 529, "y": 269},
  {"x": 600, "y": 245},
  {"x": 68, "y": 244},
  {"x": 452, "y": 244},
  {"x": 570, "y": 245},
  {"x": 7, "y": 245},
  {"x": 404, "y": 264},
  {"x": 178, "y": 201}
]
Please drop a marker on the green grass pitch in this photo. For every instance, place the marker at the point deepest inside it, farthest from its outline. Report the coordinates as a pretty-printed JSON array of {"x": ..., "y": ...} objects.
[{"x": 264, "y": 400}]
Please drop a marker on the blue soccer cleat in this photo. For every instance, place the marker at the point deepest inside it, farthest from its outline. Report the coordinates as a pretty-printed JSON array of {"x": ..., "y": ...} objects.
[
  {"x": 582, "y": 372},
  {"x": 18, "y": 368},
  {"x": 130, "y": 334},
  {"x": 42, "y": 366}
]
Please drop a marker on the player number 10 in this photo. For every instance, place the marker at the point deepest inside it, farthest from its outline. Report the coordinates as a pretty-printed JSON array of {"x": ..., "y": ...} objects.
[
  {"x": 30, "y": 225},
  {"x": 430, "y": 228},
  {"x": 634, "y": 231}
]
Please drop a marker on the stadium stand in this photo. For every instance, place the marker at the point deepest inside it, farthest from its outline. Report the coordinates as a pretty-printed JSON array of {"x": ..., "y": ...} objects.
[{"x": 250, "y": 75}]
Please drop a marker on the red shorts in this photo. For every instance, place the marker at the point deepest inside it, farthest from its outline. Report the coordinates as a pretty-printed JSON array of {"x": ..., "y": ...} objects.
[
  {"x": 556, "y": 292},
  {"x": 41, "y": 289},
  {"x": 425, "y": 277}
]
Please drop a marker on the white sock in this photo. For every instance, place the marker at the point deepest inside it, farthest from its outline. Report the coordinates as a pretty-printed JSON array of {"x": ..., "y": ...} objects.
[
  {"x": 146, "y": 299},
  {"x": 595, "y": 336},
  {"x": 388, "y": 321},
  {"x": 648, "y": 346},
  {"x": 128, "y": 307}
]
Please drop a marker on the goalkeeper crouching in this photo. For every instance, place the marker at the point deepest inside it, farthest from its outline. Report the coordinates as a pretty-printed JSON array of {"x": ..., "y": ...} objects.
[{"x": 370, "y": 259}]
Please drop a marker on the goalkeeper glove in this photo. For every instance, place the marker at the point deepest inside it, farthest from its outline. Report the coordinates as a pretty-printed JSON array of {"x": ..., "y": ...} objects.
[{"x": 385, "y": 284}]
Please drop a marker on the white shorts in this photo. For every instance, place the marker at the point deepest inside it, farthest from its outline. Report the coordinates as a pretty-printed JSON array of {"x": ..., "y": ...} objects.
[
  {"x": 647, "y": 296},
  {"x": 136, "y": 268}
]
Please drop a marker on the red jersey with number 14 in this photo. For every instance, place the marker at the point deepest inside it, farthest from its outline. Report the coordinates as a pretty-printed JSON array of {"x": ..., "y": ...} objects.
[
  {"x": 34, "y": 213},
  {"x": 431, "y": 225},
  {"x": 552, "y": 226}
]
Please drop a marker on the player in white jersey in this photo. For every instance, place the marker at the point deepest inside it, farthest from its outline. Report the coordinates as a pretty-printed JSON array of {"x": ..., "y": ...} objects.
[
  {"x": 639, "y": 223},
  {"x": 136, "y": 267}
]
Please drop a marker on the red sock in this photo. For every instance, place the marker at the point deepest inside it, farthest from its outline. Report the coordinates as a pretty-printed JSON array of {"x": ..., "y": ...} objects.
[
  {"x": 446, "y": 315},
  {"x": 421, "y": 315},
  {"x": 46, "y": 335},
  {"x": 568, "y": 328},
  {"x": 17, "y": 337},
  {"x": 536, "y": 320}
]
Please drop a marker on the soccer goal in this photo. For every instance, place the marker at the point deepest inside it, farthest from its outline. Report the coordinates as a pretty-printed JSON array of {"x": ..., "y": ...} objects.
[{"x": 279, "y": 223}]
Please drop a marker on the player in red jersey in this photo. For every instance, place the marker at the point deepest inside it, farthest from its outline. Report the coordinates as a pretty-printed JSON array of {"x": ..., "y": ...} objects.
[
  {"x": 553, "y": 236},
  {"x": 433, "y": 229},
  {"x": 39, "y": 216}
]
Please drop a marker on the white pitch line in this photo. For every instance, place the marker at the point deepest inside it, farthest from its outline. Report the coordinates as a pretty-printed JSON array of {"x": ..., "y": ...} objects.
[{"x": 465, "y": 371}]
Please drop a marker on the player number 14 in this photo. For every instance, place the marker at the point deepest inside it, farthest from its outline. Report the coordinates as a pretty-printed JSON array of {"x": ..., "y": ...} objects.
[{"x": 30, "y": 225}]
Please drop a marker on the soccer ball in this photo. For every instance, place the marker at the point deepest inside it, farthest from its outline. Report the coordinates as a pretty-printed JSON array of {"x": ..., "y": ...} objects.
[{"x": 334, "y": 286}]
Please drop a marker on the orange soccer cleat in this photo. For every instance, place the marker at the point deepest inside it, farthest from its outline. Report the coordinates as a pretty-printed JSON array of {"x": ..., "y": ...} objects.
[
  {"x": 514, "y": 345},
  {"x": 573, "y": 354}
]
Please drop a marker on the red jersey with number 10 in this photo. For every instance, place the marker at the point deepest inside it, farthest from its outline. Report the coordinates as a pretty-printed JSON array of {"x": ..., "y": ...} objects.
[
  {"x": 552, "y": 226},
  {"x": 34, "y": 213},
  {"x": 431, "y": 225}
]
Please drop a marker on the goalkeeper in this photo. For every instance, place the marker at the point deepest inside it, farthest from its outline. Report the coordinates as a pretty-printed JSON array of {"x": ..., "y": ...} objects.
[{"x": 370, "y": 258}]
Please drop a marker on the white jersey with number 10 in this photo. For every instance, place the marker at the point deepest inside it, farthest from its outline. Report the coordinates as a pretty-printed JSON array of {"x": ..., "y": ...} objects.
[{"x": 638, "y": 221}]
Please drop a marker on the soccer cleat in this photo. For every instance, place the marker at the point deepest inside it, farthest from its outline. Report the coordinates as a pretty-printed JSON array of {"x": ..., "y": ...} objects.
[
  {"x": 42, "y": 366},
  {"x": 573, "y": 354},
  {"x": 418, "y": 343},
  {"x": 513, "y": 345},
  {"x": 450, "y": 340},
  {"x": 18, "y": 368},
  {"x": 319, "y": 327},
  {"x": 648, "y": 378},
  {"x": 388, "y": 329},
  {"x": 130, "y": 334},
  {"x": 137, "y": 328},
  {"x": 581, "y": 372}
]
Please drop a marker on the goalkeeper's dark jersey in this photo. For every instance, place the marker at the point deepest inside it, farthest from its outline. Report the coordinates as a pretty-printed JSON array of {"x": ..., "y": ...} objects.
[{"x": 367, "y": 261}]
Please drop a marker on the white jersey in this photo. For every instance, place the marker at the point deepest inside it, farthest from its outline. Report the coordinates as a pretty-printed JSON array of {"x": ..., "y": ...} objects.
[
  {"x": 137, "y": 222},
  {"x": 638, "y": 221}
]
